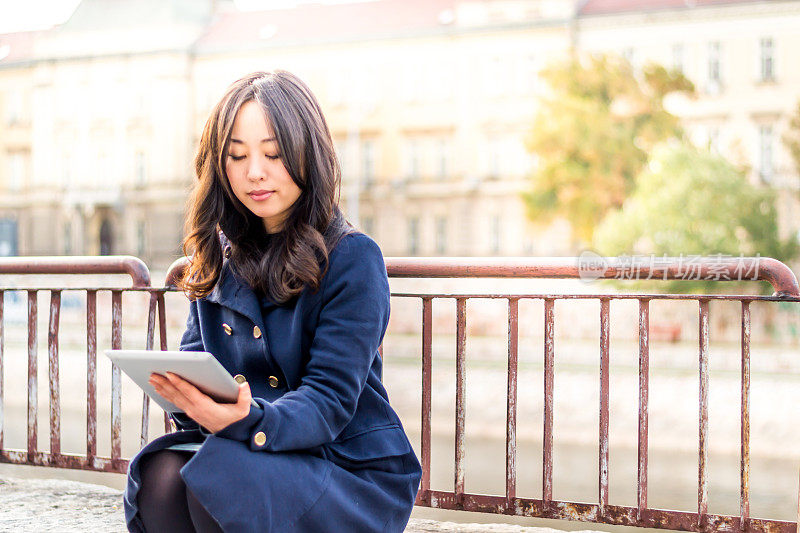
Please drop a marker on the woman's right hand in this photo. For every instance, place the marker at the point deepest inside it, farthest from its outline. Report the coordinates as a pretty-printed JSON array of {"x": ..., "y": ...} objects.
[{"x": 200, "y": 407}]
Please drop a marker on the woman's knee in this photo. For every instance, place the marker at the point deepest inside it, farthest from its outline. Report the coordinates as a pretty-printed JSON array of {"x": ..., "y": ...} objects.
[{"x": 161, "y": 477}]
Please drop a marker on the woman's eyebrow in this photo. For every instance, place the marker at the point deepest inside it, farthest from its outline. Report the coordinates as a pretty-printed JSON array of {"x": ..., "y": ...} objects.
[{"x": 267, "y": 140}]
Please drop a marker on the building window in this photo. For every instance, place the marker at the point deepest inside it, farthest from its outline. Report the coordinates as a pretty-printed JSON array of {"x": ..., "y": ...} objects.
[
  {"x": 528, "y": 74},
  {"x": 494, "y": 237},
  {"x": 16, "y": 171},
  {"x": 8, "y": 237},
  {"x": 767, "y": 70},
  {"x": 496, "y": 71},
  {"x": 413, "y": 236},
  {"x": 629, "y": 55},
  {"x": 67, "y": 238},
  {"x": 337, "y": 86},
  {"x": 341, "y": 153},
  {"x": 412, "y": 159},
  {"x": 140, "y": 238},
  {"x": 66, "y": 171},
  {"x": 101, "y": 176},
  {"x": 495, "y": 154},
  {"x": 140, "y": 168},
  {"x": 714, "y": 66},
  {"x": 765, "y": 163},
  {"x": 368, "y": 226},
  {"x": 678, "y": 57},
  {"x": 441, "y": 235},
  {"x": 368, "y": 163},
  {"x": 713, "y": 139},
  {"x": 443, "y": 150},
  {"x": 14, "y": 108},
  {"x": 106, "y": 238}
]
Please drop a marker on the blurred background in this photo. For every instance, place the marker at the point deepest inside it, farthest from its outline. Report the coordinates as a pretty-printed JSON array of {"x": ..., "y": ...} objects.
[{"x": 464, "y": 128}]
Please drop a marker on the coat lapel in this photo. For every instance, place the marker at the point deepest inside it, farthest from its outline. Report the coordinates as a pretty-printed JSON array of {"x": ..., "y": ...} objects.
[{"x": 233, "y": 293}]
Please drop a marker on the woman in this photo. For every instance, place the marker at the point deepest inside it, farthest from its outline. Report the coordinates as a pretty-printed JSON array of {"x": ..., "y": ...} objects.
[{"x": 295, "y": 303}]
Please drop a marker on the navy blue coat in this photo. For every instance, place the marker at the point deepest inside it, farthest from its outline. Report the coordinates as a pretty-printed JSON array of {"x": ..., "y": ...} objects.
[{"x": 324, "y": 450}]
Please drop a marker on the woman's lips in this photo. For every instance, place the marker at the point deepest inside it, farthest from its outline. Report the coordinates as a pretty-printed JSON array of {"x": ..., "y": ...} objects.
[{"x": 260, "y": 195}]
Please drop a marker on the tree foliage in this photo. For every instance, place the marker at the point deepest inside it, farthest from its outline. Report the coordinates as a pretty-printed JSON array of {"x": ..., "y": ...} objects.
[
  {"x": 792, "y": 138},
  {"x": 692, "y": 202},
  {"x": 592, "y": 136}
]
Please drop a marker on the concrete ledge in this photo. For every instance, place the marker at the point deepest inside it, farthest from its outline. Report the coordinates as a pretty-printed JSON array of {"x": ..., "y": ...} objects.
[
  {"x": 35, "y": 505},
  {"x": 417, "y": 525},
  {"x": 31, "y": 505}
]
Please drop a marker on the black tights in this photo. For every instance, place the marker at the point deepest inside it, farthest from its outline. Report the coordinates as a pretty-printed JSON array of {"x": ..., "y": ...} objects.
[{"x": 165, "y": 504}]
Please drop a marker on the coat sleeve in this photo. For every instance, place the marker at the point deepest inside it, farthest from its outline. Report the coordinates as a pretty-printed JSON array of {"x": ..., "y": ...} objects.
[
  {"x": 353, "y": 317},
  {"x": 190, "y": 341}
]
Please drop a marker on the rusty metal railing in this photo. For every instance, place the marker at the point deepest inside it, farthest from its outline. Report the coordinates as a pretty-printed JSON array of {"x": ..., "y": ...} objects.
[
  {"x": 780, "y": 277},
  {"x": 777, "y": 274},
  {"x": 140, "y": 278}
]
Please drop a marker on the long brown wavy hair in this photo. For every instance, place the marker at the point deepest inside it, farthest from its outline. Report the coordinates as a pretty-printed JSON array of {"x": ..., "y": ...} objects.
[{"x": 280, "y": 264}]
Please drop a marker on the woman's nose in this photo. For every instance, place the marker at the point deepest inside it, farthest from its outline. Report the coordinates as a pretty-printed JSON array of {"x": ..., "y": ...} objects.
[{"x": 256, "y": 169}]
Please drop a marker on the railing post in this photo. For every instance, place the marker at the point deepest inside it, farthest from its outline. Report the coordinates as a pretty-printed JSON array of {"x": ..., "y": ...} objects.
[
  {"x": 461, "y": 378},
  {"x": 91, "y": 376},
  {"x": 644, "y": 380},
  {"x": 511, "y": 401},
  {"x": 116, "y": 384},
  {"x": 549, "y": 362},
  {"x": 702, "y": 474},
  {"x": 2, "y": 355},
  {"x": 33, "y": 389},
  {"x": 427, "y": 340},
  {"x": 55, "y": 393},
  {"x": 745, "y": 420},
  {"x": 604, "y": 400}
]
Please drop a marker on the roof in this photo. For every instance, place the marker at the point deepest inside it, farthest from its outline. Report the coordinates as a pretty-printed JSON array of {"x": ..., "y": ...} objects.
[
  {"x": 608, "y": 7},
  {"x": 107, "y": 14},
  {"x": 17, "y": 47},
  {"x": 324, "y": 23}
]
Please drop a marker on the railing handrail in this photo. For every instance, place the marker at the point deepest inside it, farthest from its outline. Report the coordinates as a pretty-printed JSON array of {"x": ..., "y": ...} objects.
[
  {"x": 776, "y": 273},
  {"x": 79, "y": 264}
]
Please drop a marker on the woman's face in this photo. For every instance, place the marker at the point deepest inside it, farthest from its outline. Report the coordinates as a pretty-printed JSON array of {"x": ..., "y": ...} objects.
[{"x": 255, "y": 170}]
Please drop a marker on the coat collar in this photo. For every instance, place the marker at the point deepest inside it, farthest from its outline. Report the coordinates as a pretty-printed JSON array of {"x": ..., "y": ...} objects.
[{"x": 232, "y": 292}]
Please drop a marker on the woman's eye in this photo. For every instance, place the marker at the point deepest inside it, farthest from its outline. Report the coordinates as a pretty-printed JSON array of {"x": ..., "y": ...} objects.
[
  {"x": 235, "y": 157},
  {"x": 276, "y": 156}
]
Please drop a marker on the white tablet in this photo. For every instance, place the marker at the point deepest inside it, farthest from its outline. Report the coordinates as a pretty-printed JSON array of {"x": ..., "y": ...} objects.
[{"x": 200, "y": 368}]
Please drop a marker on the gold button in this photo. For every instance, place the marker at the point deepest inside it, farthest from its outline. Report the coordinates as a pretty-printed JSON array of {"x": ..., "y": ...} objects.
[
  {"x": 257, "y": 332},
  {"x": 227, "y": 251},
  {"x": 260, "y": 439},
  {"x": 239, "y": 378},
  {"x": 273, "y": 382},
  {"x": 227, "y": 328}
]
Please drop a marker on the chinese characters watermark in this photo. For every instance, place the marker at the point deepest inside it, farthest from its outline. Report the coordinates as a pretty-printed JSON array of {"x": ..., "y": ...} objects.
[{"x": 717, "y": 267}]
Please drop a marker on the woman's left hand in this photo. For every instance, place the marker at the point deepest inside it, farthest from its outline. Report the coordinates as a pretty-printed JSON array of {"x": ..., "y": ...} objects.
[{"x": 200, "y": 407}]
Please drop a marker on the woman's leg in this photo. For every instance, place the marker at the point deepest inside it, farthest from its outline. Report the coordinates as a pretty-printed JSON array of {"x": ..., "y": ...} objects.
[
  {"x": 162, "y": 496},
  {"x": 202, "y": 520}
]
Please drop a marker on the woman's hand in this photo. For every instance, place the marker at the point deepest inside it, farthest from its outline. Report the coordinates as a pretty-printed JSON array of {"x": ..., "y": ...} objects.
[{"x": 199, "y": 406}]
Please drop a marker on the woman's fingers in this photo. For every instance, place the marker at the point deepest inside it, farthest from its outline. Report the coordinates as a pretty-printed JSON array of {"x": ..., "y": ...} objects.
[
  {"x": 245, "y": 395},
  {"x": 191, "y": 392},
  {"x": 171, "y": 392}
]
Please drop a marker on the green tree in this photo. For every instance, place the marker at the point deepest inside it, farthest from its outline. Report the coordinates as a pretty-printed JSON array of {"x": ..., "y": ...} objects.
[
  {"x": 792, "y": 138},
  {"x": 592, "y": 136},
  {"x": 692, "y": 202}
]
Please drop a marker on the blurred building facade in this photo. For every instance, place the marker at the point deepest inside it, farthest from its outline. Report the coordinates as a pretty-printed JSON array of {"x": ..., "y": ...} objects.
[
  {"x": 429, "y": 103},
  {"x": 742, "y": 58}
]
